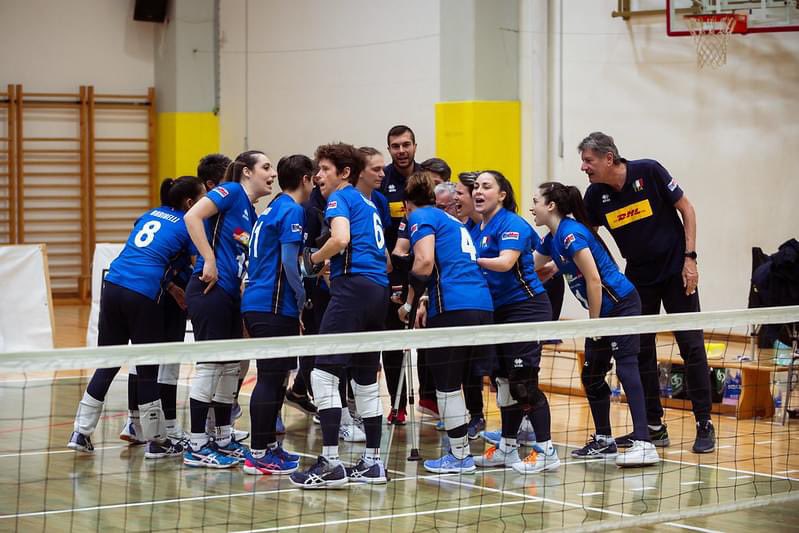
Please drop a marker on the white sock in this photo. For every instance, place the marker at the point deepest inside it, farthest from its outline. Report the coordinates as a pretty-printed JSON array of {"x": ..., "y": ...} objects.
[
  {"x": 223, "y": 434},
  {"x": 257, "y": 453},
  {"x": 331, "y": 454},
  {"x": 507, "y": 445},
  {"x": 272, "y": 445},
  {"x": 459, "y": 446},
  {"x": 171, "y": 427},
  {"x": 371, "y": 455},
  {"x": 547, "y": 446},
  {"x": 655, "y": 428},
  {"x": 605, "y": 439},
  {"x": 197, "y": 441}
]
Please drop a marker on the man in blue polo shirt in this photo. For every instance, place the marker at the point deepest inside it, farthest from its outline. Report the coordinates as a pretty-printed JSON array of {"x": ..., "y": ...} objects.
[{"x": 638, "y": 202}]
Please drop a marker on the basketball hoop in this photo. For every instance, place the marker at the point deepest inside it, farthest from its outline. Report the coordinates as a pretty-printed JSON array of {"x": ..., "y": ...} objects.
[{"x": 710, "y": 33}]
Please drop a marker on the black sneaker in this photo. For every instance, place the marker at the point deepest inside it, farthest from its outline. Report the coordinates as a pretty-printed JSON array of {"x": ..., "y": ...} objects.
[
  {"x": 361, "y": 472},
  {"x": 705, "y": 437},
  {"x": 301, "y": 402},
  {"x": 322, "y": 475},
  {"x": 594, "y": 449},
  {"x": 476, "y": 425},
  {"x": 659, "y": 437}
]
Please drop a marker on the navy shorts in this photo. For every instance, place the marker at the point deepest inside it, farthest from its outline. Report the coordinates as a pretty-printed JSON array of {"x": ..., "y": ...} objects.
[
  {"x": 214, "y": 316},
  {"x": 620, "y": 347},
  {"x": 356, "y": 304},
  {"x": 262, "y": 324},
  {"x": 448, "y": 363},
  {"x": 126, "y": 315},
  {"x": 521, "y": 354}
]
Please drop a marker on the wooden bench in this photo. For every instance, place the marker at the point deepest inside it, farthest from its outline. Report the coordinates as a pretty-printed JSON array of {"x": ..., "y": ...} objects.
[{"x": 561, "y": 364}]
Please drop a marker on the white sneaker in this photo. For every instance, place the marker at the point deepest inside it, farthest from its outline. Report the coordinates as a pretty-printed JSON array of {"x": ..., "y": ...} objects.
[
  {"x": 538, "y": 462},
  {"x": 493, "y": 456},
  {"x": 132, "y": 432},
  {"x": 351, "y": 433},
  {"x": 640, "y": 454}
]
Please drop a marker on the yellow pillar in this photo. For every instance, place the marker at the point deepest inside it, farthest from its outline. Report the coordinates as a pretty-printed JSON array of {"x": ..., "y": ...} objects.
[
  {"x": 481, "y": 135},
  {"x": 184, "y": 138}
]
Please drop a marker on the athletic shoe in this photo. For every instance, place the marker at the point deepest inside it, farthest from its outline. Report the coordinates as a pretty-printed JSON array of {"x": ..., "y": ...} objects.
[
  {"x": 361, "y": 472},
  {"x": 493, "y": 456},
  {"x": 594, "y": 448},
  {"x": 280, "y": 428},
  {"x": 351, "y": 433},
  {"x": 449, "y": 464},
  {"x": 208, "y": 457},
  {"x": 130, "y": 433},
  {"x": 235, "y": 412},
  {"x": 168, "y": 448},
  {"x": 538, "y": 462},
  {"x": 321, "y": 475},
  {"x": 523, "y": 438},
  {"x": 284, "y": 455},
  {"x": 641, "y": 453},
  {"x": 80, "y": 442},
  {"x": 476, "y": 424},
  {"x": 239, "y": 434},
  {"x": 659, "y": 438},
  {"x": 300, "y": 401},
  {"x": 270, "y": 463},
  {"x": 396, "y": 417},
  {"x": 428, "y": 407},
  {"x": 234, "y": 450},
  {"x": 705, "y": 437}
]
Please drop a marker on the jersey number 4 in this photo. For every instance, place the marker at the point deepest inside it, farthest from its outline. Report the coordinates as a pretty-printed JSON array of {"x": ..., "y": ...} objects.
[
  {"x": 467, "y": 246},
  {"x": 146, "y": 234}
]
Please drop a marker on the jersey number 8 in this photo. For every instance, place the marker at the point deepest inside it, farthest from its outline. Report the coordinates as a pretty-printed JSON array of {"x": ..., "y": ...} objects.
[{"x": 146, "y": 234}]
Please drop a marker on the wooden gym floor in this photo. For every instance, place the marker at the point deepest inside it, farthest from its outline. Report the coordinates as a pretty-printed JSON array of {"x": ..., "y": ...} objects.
[{"x": 48, "y": 487}]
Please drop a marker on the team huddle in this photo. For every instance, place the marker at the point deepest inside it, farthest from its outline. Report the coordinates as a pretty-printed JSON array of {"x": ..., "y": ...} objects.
[{"x": 351, "y": 245}]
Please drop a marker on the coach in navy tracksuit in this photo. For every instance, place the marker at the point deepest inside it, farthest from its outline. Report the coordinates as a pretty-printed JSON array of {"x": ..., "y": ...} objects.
[{"x": 637, "y": 201}]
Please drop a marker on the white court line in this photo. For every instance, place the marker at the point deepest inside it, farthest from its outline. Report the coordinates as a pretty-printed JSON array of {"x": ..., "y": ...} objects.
[
  {"x": 692, "y": 483},
  {"x": 590, "y": 493},
  {"x": 693, "y": 528},
  {"x": 739, "y": 477},
  {"x": 787, "y": 471},
  {"x": 764, "y": 442},
  {"x": 642, "y": 489},
  {"x": 50, "y": 452}
]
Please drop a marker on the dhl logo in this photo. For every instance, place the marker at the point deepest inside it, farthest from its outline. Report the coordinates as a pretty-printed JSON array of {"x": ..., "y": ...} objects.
[{"x": 631, "y": 213}]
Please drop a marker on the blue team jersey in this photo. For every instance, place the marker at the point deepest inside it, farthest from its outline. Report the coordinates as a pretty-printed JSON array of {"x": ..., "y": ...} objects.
[
  {"x": 474, "y": 229},
  {"x": 268, "y": 289},
  {"x": 158, "y": 238},
  {"x": 509, "y": 231},
  {"x": 381, "y": 203},
  {"x": 570, "y": 238},
  {"x": 229, "y": 234},
  {"x": 366, "y": 253},
  {"x": 456, "y": 282}
]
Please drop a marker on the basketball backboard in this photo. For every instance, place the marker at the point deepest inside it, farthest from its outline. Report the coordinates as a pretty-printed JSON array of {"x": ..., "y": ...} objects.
[{"x": 761, "y": 15}]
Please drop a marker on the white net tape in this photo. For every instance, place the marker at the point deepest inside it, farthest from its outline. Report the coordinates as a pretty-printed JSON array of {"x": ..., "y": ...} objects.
[
  {"x": 710, "y": 35},
  {"x": 348, "y": 343}
]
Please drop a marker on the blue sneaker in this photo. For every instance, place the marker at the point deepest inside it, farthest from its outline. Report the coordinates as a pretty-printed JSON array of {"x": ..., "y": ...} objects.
[
  {"x": 280, "y": 428},
  {"x": 284, "y": 455},
  {"x": 270, "y": 463},
  {"x": 234, "y": 450},
  {"x": 476, "y": 424},
  {"x": 321, "y": 475},
  {"x": 208, "y": 457},
  {"x": 130, "y": 433},
  {"x": 80, "y": 443},
  {"x": 491, "y": 437},
  {"x": 361, "y": 472},
  {"x": 168, "y": 448},
  {"x": 450, "y": 465}
]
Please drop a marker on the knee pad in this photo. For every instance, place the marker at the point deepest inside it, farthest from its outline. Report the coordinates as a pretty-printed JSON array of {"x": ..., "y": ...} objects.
[
  {"x": 523, "y": 384},
  {"x": 169, "y": 374},
  {"x": 452, "y": 409},
  {"x": 203, "y": 385},
  {"x": 88, "y": 415},
  {"x": 367, "y": 399},
  {"x": 504, "y": 397},
  {"x": 228, "y": 383},
  {"x": 325, "y": 389},
  {"x": 151, "y": 418}
]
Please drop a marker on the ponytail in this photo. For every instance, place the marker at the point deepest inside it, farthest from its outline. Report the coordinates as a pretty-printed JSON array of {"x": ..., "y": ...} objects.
[
  {"x": 235, "y": 169},
  {"x": 568, "y": 200},
  {"x": 164, "y": 192},
  {"x": 175, "y": 192}
]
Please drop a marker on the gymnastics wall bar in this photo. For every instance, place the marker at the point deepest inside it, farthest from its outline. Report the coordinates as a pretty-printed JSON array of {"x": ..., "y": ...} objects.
[{"x": 75, "y": 169}]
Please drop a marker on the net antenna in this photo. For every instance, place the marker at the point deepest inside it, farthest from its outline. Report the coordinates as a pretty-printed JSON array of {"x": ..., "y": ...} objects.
[{"x": 710, "y": 33}]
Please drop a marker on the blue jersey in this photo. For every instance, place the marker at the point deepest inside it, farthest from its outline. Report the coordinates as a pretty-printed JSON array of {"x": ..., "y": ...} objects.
[
  {"x": 381, "y": 203},
  {"x": 366, "y": 253},
  {"x": 456, "y": 282},
  {"x": 268, "y": 289},
  {"x": 229, "y": 234},
  {"x": 570, "y": 238},
  {"x": 158, "y": 238},
  {"x": 509, "y": 231},
  {"x": 474, "y": 229}
]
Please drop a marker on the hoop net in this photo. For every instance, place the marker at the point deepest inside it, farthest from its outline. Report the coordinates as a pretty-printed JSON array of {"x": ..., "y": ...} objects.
[{"x": 710, "y": 34}]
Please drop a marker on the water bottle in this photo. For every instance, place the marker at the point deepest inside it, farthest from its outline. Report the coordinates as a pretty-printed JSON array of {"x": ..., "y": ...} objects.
[{"x": 664, "y": 378}]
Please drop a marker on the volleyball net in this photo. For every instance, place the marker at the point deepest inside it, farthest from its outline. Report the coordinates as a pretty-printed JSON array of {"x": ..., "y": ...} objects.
[{"x": 754, "y": 465}]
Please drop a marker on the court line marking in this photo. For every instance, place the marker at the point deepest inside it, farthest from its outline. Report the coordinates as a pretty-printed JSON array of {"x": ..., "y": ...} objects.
[
  {"x": 583, "y": 494},
  {"x": 63, "y": 451}
]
